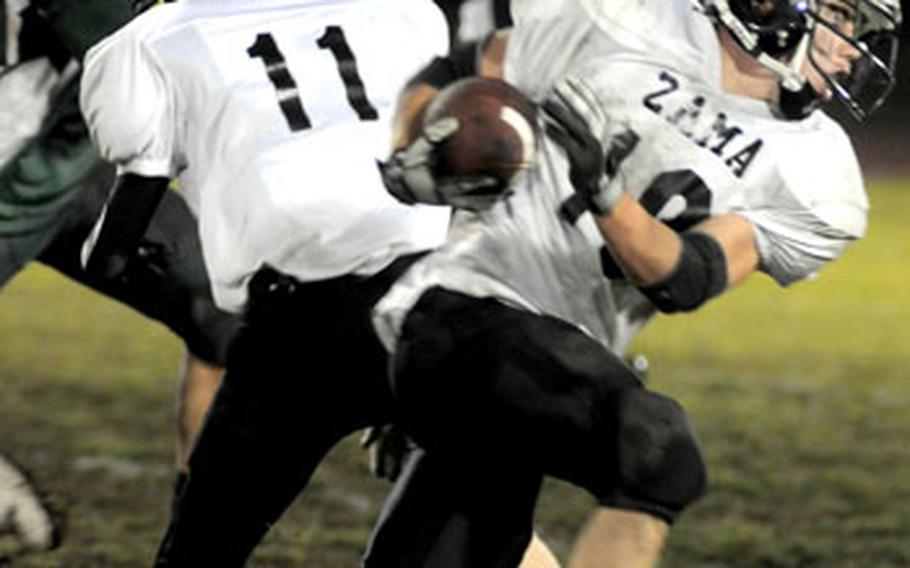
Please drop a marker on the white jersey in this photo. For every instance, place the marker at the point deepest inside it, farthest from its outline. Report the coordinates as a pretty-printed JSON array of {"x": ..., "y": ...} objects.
[
  {"x": 475, "y": 20},
  {"x": 272, "y": 114},
  {"x": 656, "y": 68},
  {"x": 27, "y": 87}
]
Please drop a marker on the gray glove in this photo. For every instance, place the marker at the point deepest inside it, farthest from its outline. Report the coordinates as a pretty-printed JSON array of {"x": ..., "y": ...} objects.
[
  {"x": 409, "y": 174},
  {"x": 389, "y": 447},
  {"x": 24, "y": 515},
  {"x": 575, "y": 120}
]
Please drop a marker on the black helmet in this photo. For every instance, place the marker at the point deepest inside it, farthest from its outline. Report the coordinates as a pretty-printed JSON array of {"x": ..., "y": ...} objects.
[{"x": 778, "y": 34}]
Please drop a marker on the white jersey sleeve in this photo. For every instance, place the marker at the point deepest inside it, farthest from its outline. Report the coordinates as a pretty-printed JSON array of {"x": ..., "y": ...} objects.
[
  {"x": 817, "y": 210},
  {"x": 127, "y": 104},
  {"x": 543, "y": 44}
]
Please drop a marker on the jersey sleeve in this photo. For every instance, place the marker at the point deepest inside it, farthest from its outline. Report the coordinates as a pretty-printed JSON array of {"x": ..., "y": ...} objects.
[
  {"x": 815, "y": 212},
  {"x": 544, "y": 43},
  {"x": 128, "y": 106},
  {"x": 798, "y": 246}
]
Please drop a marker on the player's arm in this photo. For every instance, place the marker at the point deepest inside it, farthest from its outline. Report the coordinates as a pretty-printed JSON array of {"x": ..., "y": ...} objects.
[
  {"x": 409, "y": 173},
  {"x": 118, "y": 232},
  {"x": 677, "y": 271},
  {"x": 475, "y": 58},
  {"x": 128, "y": 108},
  {"x": 709, "y": 258}
]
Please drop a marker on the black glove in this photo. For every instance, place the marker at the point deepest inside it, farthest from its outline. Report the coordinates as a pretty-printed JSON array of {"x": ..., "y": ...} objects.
[
  {"x": 147, "y": 266},
  {"x": 409, "y": 174},
  {"x": 389, "y": 447},
  {"x": 575, "y": 120}
]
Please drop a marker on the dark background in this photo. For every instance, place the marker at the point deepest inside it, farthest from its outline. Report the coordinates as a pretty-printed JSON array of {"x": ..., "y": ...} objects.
[{"x": 883, "y": 141}]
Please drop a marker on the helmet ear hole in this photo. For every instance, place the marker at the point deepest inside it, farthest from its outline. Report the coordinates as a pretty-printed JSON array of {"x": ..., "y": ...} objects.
[{"x": 796, "y": 105}]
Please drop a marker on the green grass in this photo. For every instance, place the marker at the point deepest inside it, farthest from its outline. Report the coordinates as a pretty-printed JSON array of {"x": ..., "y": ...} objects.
[{"x": 800, "y": 398}]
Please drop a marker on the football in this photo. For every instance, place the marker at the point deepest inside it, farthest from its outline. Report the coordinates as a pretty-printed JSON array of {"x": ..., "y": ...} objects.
[{"x": 496, "y": 134}]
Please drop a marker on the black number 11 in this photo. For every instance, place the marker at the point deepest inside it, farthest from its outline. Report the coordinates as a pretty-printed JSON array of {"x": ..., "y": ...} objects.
[{"x": 276, "y": 68}]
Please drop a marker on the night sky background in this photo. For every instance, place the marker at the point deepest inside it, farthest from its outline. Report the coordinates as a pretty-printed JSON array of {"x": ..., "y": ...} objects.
[{"x": 883, "y": 141}]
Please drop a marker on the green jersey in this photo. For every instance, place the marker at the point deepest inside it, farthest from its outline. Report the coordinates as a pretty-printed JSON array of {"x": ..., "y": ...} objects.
[{"x": 46, "y": 150}]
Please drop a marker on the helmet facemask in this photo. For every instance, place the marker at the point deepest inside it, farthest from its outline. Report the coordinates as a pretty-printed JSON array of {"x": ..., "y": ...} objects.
[{"x": 871, "y": 27}]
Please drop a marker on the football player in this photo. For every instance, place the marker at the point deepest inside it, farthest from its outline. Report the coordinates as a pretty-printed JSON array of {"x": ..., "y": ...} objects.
[
  {"x": 682, "y": 149},
  {"x": 52, "y": 188},
  {"x": 272, "y": 114}
]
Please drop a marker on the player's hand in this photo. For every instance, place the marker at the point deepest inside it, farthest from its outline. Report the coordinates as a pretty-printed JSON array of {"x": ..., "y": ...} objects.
[
  {"x": 409, "y": 174},
  {"x": 146, "y": 266},
  {"x": 575, "y": 120},
  {"x": 388, "y": 448},
  {"x": 24, "y": 515},
  {"x": 149, "y": 263}
]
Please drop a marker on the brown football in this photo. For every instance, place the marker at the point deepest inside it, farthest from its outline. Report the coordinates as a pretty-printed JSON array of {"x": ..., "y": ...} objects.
[{"x": 496, "y": 134}]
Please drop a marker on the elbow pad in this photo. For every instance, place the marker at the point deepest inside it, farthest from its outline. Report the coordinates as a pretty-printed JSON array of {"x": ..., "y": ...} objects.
[{"x": 699, "y": 275}]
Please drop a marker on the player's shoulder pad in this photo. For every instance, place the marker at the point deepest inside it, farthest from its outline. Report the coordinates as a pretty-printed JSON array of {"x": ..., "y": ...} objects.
[
  {"x": 123, "y": 92},
  {"x": 669, "y": 30},
  {"x": 820, "y": 170}
]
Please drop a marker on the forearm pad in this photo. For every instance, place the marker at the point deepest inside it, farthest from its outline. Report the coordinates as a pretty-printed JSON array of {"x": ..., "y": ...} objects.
[
  {"x": 699, "y": 275},
  {"x": 126, "y": 217}
]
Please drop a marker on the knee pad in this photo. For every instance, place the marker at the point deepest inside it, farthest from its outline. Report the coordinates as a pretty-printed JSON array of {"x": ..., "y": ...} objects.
[{"x": 660, "y": 467}]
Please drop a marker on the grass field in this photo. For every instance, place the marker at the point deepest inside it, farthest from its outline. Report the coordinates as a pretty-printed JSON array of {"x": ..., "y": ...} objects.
[{"x": 801, "y": 399}]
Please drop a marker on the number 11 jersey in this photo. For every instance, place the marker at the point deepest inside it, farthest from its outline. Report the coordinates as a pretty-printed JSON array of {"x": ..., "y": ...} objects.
[{"x": 272, "y": 115}]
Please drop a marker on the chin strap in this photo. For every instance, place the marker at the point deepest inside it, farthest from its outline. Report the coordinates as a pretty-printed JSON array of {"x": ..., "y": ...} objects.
[
  {"x": 797, "y": 98},
  {"x": 798, "y": 104}
]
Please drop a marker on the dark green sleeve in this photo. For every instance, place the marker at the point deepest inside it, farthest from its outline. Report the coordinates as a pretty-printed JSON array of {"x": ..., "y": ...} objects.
[
  {"x": 82, "y": 23},
  {"x": 40, "y": 181}
]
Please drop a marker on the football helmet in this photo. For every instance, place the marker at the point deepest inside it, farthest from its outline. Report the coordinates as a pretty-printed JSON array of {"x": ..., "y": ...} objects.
[{"x": 779, "y": 33}]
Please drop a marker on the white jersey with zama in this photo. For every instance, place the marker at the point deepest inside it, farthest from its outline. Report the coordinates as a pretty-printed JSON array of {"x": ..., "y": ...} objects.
[
  {"x": 655, "y": 67},
  {"x": 272, "y": 114}
]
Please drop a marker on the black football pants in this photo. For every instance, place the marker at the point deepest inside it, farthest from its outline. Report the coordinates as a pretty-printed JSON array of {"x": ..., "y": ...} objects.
[
  {"x": 305, "y": 371},
  {"x": 497, "y": 397}
]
